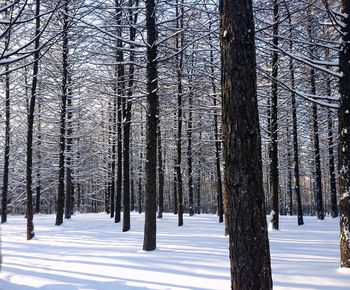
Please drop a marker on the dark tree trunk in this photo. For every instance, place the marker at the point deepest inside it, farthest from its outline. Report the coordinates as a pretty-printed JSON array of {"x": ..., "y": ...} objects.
[
  {"x": 65, "y": 83},
  {"x": 7, "y": 148},
  {"x": 30, "y": 120},
  {"x": 126, "y": 134},
  {"x": 295, "y": 129},
  {"x": 344, "y": 139},
  {"x": 127, "y": 122},
  {"x": 126, "y": 167},
  {"x": 121, "y": 85},
  {"x": 274, "y": 175},
  {"x": 149, "y": 242},
  {"x": 243, "y": 179},
  {"x": 179, "y": 67}
]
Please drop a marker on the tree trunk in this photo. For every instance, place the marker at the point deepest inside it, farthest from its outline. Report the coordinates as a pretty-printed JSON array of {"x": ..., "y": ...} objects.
[
  {"x": 295, "y": 129},
  {"x": 274, "y": 175},
  {"x": 149, "y": 242},
  {"x": 30, "y": 120},
  {"x": 179, "y": 68},
  {"x": 7, "y": 147},
  {"x": 243, "y": 180},
  {"x": 126, "y": 167},
  {"x": 121, "y": 105},
  {"x": 318, "y": 174},
  {"x": 65, "y": 84},
  {"x": 344, "y": 139}
]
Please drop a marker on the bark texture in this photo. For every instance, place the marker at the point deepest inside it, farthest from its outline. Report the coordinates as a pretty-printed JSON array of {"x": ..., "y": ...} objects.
[
  {"x": 149, "y": 242},
  {"x": 274, "y": 174},
  {"x": 344, "y": 140},
  {"x": 243, "y": 180}
]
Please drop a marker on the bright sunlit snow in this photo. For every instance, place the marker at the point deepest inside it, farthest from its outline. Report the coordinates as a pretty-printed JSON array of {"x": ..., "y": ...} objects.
[{"x": 90, "y": 252}]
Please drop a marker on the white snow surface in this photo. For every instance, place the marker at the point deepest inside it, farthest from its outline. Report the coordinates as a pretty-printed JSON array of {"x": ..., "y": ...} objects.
[{"x": 89, "y": 252}]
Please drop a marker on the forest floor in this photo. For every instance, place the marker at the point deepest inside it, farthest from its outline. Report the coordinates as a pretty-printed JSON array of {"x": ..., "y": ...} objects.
[{"x": 89, "y": 252}]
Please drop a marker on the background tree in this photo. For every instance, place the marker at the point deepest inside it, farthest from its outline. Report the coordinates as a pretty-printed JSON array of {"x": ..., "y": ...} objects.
[{"x": 30, "y": 122}]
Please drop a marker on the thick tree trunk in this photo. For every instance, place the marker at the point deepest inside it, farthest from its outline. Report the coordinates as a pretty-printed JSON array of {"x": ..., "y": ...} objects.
[
  {"x": 344, "y": 139},
  {"x": 243, "y": 180},
  {"x": 149, "y": 242},
  {"x": 274, "y": 175}
]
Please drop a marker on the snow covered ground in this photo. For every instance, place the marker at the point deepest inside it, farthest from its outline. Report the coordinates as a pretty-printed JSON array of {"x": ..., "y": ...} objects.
[{"x": 89, "y": 252}]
